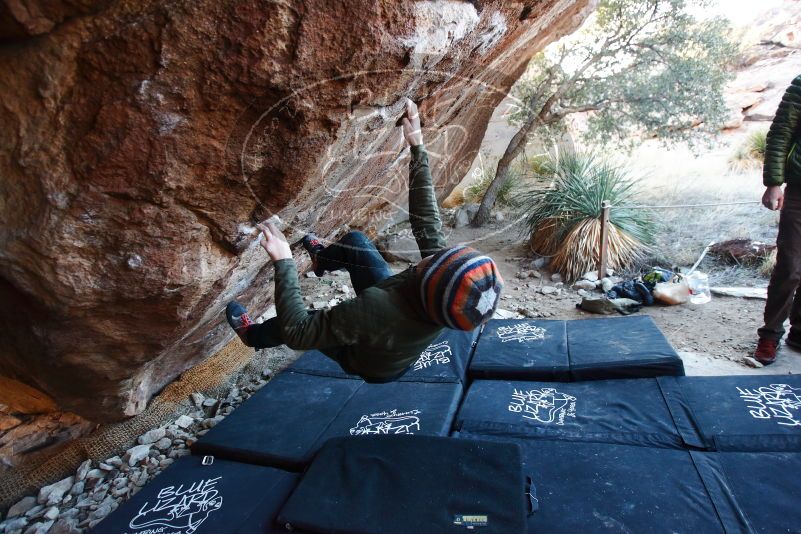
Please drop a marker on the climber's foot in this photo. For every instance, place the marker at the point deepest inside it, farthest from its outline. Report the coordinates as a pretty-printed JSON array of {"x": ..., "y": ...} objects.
[
  {"x": 312, "y": 245},
  {"x": 239, "y": 320}
]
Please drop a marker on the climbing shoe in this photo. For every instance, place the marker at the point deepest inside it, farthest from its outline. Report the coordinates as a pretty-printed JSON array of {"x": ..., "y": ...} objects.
[
  {"x": 312, "y": 245},
  {"x": 765, "y": 352},
  {"x": 239, "y": 320}
]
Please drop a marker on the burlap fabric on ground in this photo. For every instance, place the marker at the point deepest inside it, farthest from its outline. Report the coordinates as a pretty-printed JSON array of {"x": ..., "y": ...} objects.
[{"x": 212, "y": 377}]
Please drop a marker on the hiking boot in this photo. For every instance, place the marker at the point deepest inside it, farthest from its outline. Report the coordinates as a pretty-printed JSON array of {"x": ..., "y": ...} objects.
[
  {"x": 312, "y": 245},
  {"x": 765, "y": 352},
  {"x": 239, "y": 320},
  {"x": 793, "y": 340}
]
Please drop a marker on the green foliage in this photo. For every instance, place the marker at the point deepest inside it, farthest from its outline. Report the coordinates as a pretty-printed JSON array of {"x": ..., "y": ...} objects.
[
  {"x": 641, "y": 67},
  {"x": 484, "y": 173},
  {"x": 562, "y": 219},
  {"x": 537, "y": 167},
  {"x": 581, "y": 182},
  {"x": 751, "y": 152}
]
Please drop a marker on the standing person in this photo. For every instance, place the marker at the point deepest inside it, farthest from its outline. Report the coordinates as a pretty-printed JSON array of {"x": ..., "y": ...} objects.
[
  {"x": 393, "y": 318},
  {"x": 783, "y": 167}
]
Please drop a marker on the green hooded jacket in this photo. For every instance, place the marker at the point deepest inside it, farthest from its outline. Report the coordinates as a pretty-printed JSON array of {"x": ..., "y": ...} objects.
[
  {"x": 782, "y": 154},
  {"x": 382, "y": 331}
]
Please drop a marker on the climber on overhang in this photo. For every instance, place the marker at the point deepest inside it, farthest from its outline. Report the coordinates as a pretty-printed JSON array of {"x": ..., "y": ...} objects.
[{"x": 393, "y": 318}]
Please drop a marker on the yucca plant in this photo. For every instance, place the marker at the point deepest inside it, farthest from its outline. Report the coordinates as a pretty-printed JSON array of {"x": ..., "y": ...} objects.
[
  {"x": 563, "y": 219},
  {"x": 751, "y": 152}
]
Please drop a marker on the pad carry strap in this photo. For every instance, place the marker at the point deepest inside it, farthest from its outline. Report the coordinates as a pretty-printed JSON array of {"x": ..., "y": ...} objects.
[{"x": 531, "y": 495}]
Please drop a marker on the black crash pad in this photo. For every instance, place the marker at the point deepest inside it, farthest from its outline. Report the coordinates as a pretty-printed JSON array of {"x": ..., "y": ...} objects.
[
  {"x": 281, "y": 422},
  {"x": 444, "y": 360},
  {"x": 601, "y": 487},
  {"x": 590, "y": 349},
  {"x": 623, "y": 347},
  {"x": 522, "y": 350},
  {"x": 189, "y": 497},
  {"x": 742, "y": 413},
  {"x": 285, "y": 422},
  {"x": 613, "y": 411},
  {"x": 765, "y": 486},
  {"x": 402, "y": 484}
]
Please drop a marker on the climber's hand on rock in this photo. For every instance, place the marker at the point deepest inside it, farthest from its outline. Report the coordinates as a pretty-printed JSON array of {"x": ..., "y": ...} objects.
[
  {"x": 411, "y": 125},
  {"x": 274, "y": 242},
  {"x": 773, "y": 199}
]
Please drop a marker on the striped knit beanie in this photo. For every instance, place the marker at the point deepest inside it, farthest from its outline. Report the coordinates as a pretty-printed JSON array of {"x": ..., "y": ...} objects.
[{"x": 459, "y": 287}]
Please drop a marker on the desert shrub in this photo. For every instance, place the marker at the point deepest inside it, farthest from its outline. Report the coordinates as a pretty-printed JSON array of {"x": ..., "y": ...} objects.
[
  {"x": 751, "y": 152},
  {"x": 482, "y": 179},
  {"x": 563, "y": 219},
  {"x": 765, "y": 268}
]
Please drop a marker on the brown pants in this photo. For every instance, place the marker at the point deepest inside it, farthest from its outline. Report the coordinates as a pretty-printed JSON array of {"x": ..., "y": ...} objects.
[{"x": 784, "y": 293}]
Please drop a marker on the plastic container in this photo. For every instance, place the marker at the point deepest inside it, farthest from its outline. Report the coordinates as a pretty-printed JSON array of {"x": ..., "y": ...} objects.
[
  {"x": 677, "y": 291},
  {"x": 699, "y": 288}
]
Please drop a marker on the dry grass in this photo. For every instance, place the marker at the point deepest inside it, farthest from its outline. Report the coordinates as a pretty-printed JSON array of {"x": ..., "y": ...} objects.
[
  {"x": 484, "y": 174},
  {"x": 768, "y": 263},
  {"x": 544, "y": 240},
  {"x": 750, "y": 153},
  {"x": 677, "y": 177},
  {"x": 577, "y": 253}
]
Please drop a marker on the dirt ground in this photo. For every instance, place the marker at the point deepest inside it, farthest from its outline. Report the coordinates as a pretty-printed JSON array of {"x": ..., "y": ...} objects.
[{"x": 711, "y": 338}]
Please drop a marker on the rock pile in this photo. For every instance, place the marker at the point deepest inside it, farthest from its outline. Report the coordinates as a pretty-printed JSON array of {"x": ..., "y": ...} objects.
[{"x": 79, "y": 502}]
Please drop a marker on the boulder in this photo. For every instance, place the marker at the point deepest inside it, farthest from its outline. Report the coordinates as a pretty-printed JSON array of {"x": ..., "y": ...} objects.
[
  {"x": 145, "y": 139},
  {"x": 152, "y": 436},
  {"x": 20, "y": 398},
  {"x": 584, "y": 285},
  {"x": 136, "y": 454},
  {"x": 34, "y": 437},
  {"x": 539, "y": 263},
  {"x": 461, "y": 218},
  {"x": 789, "y": 37},
  {"x": 184, "y": 421},
  {"x": 52, "y": 494},
  {"x": 25, "y": 504},
  {"x": 7, "y": 422}
]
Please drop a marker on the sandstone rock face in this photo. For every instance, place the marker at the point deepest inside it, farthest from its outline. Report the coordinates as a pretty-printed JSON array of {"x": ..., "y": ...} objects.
[
  {"x": 38, "y": 436},
  {"x": 142, "y": 140}
]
